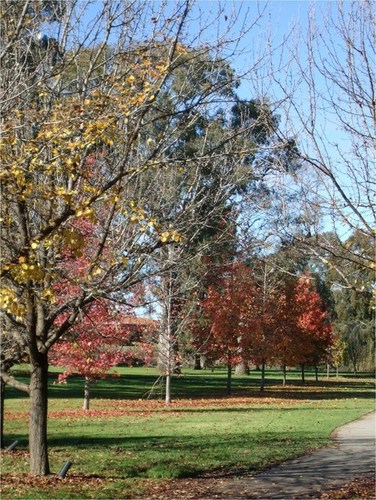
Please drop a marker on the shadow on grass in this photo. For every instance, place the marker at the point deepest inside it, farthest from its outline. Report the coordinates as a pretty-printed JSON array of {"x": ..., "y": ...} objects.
[
  {"x": 164, "y": 445},
  {"x": 205, "y": 386}
]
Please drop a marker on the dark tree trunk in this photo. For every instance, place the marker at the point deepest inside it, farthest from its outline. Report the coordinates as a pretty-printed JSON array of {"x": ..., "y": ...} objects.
[
  {"x": 303, "y": 377},
  {"x": 316, "y": 373},
  {"x": 39, "y": 465},
  {"x": 284, "y": 371},
  {"x": 197, "y": 365},
  {"x": 229, "y": 379},
  {"x": 2, "y": 394},
  {"x": 262, "y": 380}
]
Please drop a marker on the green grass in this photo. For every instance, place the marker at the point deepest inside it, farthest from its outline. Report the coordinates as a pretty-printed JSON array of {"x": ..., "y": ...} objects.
[
  {"x": 136, "y": 383},
  {"x": 119, "y": 454}
]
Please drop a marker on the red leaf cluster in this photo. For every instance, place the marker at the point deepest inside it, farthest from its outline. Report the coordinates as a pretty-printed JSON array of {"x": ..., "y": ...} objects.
[
  {"x": 241, "y": 320},
  {"x": 94, "y": 343}
]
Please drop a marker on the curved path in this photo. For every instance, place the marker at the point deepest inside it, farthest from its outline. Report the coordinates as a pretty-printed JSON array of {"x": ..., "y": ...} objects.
[{"x": 351, "y": 455}]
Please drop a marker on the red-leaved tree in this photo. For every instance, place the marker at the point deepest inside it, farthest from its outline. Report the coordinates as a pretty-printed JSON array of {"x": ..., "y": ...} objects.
[
  {"x": 313, "y": 323},
  {"x": 304, "y": 330},
  {"x": 226, "y": 318},
  {"x": 96, "y": 343}
]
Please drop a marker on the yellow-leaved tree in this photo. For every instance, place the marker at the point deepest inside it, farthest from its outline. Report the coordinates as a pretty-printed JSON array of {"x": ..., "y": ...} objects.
[{"x": 87, "y": 141}]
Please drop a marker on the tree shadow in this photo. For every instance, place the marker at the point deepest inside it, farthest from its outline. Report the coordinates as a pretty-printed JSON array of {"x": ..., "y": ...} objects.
[{"x": 203, "y": 386}]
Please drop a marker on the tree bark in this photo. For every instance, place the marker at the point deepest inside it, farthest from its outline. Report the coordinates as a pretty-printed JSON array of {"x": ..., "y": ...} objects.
[
  {"x": 197, "y": 365},
  {"x": 229, "y": 379},
  {"x": 316, "y": 373},
  {"x": 303, "y": 378},
  {"x": 203, "y": 362},
  {"x": 284, "y": 371},
  {"x": 328, "y": 371},
  {"x": 39, "y": 465},
  {"x": 262, "y": 381},
  {"x": 168, "y": 389},
  {"x": 86, "y": 405},
  {"x": 242, "y": 368}
]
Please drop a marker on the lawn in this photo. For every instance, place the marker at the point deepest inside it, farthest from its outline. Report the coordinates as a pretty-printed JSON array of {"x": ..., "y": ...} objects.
[{"x": 127, "y": 443}]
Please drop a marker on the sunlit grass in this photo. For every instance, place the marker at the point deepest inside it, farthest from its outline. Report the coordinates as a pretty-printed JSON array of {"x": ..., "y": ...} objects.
[{"x": 126, "y": 441}]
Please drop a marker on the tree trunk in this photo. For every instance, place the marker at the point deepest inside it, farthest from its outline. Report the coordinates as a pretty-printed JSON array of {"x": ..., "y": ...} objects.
[
  {"x": 229, "y": 379},
  {"x": 284, "y": 371},
  {"x": 316, "y": 373},
  {"x": 242, "y": 368},
  {"x": 203, "y": 362},
  {"x": 197, "y": 365},
  {"x": 262, "y": 381},
  {"x": 2, "y": 394},
  {"x": 328, "y": 371},
  {"x": 39, "y": 465},
  {"x": 168, "y": 389},
  {"x": 303, "y": 378},
  {"x": 86, "y": 405}
]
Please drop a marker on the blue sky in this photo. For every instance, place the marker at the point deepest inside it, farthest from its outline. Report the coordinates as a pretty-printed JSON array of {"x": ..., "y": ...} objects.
[{"x": 277, "y": 21}]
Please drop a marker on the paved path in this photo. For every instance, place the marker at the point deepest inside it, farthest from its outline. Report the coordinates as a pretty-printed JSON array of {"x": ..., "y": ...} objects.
[{"x": 351, "y": 455}]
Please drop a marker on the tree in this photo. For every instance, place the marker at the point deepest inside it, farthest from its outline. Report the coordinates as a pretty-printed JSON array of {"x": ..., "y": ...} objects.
[
  {"x": 313, "y": 325},
  {"x": 355, "y": 324},
  {"x": 355, "y": 312},
  {"x": 94, "y": 345},
  {"x": 226, "y": 317},
  {"x": 304, "y": 331},
  {"x": 336, "y": 354},
  {"x": 77, "y": 153},
  {"x": 289, "y": 342},
  {"x": 265, "y": 330},
  {"x": 223, "y": 114},
  {"x": 323, "y": 84}
]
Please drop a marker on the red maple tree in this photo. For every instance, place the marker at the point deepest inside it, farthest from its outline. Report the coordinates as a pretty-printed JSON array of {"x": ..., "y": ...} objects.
[
  {"x": 95, "y": 344},
  {"x": 226, "y": 318},
  {"x": 304, "y": 330},
  {"x": 240, "y": 320},
  {"x": 313, "y": 323}
]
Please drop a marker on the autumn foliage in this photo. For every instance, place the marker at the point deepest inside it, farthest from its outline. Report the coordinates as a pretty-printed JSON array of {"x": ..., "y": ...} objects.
[
  {"x": 94, "y": 344},
  {"x": 240, "y": 321}
]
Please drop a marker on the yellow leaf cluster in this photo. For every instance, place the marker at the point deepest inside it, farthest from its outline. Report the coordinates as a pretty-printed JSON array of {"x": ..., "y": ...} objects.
[
  {"x": 171, "y": 235},
  {"x": 10, "y": 303},
  {"x": 25, "y": 271},
  {"x": 101, "y": 131},
  {"x": 96, "y": 271},
  {"x": 87, "y": 212},
  {"x": 49, "y": 295},
  {"x": 46, "y": 153},
  {"x": 138, "y": 215}
]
